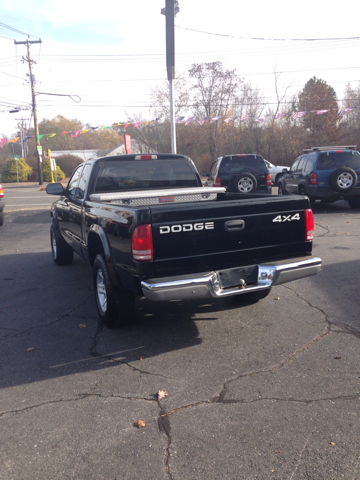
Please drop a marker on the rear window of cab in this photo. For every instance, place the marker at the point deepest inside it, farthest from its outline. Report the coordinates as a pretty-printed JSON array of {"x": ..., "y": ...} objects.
[{"x": 333, "y": 160}]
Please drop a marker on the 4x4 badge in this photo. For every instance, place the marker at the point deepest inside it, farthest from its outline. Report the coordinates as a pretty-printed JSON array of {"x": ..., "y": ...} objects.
[{"x": 287, "y": 218}]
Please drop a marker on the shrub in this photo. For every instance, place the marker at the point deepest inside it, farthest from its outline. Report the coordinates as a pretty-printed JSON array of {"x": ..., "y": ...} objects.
[
  {"x": 68, "y": 163},
  {"x": 46, "y": 171},
  {"x": 15, "y": 168}
]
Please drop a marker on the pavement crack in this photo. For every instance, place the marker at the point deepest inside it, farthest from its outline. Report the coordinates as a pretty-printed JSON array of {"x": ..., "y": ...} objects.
[
  {"x": 79, "y": 397},
  {"x": 327, "y": 230},
  {"x": 94, "y": 353},
  {"x": 61, "y": 317},
  {"x": 164, "y": 427}
]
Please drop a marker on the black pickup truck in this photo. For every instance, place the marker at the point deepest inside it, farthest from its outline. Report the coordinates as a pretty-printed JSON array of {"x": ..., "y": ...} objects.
[{"x": 148, "y": 227}]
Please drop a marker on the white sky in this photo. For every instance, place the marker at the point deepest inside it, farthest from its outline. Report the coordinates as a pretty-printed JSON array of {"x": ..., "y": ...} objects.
[{"x": 135, "y": 30}]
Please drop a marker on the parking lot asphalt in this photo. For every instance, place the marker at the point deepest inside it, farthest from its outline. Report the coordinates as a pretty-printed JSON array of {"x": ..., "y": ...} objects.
[{"x": 267, "y": 390}]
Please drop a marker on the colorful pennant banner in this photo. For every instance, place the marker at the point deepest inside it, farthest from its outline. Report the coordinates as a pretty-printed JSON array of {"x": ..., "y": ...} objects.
[{"x": 180, "y": 119}]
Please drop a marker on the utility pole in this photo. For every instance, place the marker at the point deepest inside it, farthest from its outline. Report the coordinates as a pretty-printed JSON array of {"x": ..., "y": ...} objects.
[
  {"x": 170, "y": 10},
  {"x": 32, "y": 82}
]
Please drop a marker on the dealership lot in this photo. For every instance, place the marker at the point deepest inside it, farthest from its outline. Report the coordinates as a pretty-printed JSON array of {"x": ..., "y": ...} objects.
[{"x": 268, "y": 390}]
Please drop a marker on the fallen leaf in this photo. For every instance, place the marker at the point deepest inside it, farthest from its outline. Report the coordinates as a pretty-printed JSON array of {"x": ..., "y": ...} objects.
[
  {"x": 335, "y": 233},
  {"x": 332, "y": 443},
  {"x": 140, "y": 423},
  {"x": 337, "y": 358},
  {"x": 82, "y": 325},
  {"x": 277, "y": 298},
  {"x": 30, "y": 349},
  {"x": 141, "y": 358},
  {"x": 162, "y": 394},
  {"x": 347, "y": 233}
]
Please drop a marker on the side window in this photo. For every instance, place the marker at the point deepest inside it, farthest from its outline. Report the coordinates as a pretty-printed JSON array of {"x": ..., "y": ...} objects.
[
  {"x": 84, "y": 180},
  {"x": 311, "y": 158},
  {"x": 301, "y": 163},
  {"x": 295, "y": 164},
  {"x": 214, "y": 170},
  {"x": 74, "y": 180}
]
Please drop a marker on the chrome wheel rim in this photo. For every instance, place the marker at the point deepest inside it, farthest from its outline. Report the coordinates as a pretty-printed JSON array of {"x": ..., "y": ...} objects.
[
  {"x": 345, "y": 180},
  {"x": 245, "y": 185},
  {"x": 101, "y": 291}
]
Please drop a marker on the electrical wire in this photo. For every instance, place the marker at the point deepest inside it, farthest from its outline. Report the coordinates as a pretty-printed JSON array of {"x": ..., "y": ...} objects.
[
  {"x": 268, "y": 39},
  {"x": 16, "y": 31}
]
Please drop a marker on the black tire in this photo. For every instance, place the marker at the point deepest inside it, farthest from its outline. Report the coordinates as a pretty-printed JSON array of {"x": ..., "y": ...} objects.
[
  {"x": 253, "y": 296},
  {"x": 281, "y": 190},
  {"x": 62, "y": 253},
  {"x": 115, "y": 307},
  {"x": 278, "y": 178},
  {"x": 1, "y": 218},
  {"x": 244, "y": 183},
  {"x": 343, "y": 179},
  {"x": 354, "y": 202}
]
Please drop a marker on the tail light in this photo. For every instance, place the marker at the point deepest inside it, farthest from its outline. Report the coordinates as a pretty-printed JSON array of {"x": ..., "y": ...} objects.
[
  {"x": 309, "y": 225},
  {"x": 142, "y": 244},
  {"x": 313, "y": 179},
  {"x": 1, "y": 192},
  {"x": 268, "y": 180},
  {"x": 218, "y": 182}
]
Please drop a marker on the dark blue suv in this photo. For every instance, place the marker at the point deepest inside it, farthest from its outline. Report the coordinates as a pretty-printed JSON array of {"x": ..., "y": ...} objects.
[{"x": 325, "y": 173}]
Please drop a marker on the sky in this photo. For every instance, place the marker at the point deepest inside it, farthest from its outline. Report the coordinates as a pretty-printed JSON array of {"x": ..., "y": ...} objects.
[{"x": 111, "y": 54}]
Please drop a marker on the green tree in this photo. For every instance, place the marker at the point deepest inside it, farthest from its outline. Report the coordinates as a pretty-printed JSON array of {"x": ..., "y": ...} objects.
[
  {"x": 321, "y": 129},
  {"x": 14, "y": 169}
]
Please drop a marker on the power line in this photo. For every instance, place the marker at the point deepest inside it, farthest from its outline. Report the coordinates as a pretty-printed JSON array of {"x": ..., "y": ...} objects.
[
  {"x": 16, "y": 31},
  {"x": 269, "y": 39}
]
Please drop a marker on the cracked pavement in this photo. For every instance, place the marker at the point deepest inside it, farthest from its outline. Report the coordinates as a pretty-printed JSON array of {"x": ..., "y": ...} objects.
[{"x": 267, "y": 390}]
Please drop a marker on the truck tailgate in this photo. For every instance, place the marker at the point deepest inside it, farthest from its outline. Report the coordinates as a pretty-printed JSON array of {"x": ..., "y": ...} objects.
[{"x": 227, "y": 233}]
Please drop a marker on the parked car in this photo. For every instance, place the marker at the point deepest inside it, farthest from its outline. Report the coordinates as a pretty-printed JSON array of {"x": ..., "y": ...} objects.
[
  {"x": 242, "y": 173},
  {"x": 276, "y": 171},
  {"x": 2, "y": 205},
  {"x": 325, "y": 173}
]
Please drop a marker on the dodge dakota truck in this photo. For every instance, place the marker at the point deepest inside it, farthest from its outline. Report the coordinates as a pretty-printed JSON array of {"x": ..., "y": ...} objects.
[{"x": 148, "y": 227}]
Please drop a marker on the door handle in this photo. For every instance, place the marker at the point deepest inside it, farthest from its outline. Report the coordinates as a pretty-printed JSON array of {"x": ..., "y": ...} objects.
[{"x": 234, "y": 225}]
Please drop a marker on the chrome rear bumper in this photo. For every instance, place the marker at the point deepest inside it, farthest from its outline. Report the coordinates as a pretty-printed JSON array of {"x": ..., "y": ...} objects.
[{"x": 208, "y": 285}]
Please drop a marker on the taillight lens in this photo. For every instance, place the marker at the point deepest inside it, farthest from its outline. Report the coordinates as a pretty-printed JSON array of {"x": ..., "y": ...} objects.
[
  {"x": 142, "y": 244},
  {"x": 218, "y": 182},
  {"x": 268, "y": 180},
  {"x": 1, "y": 192},
  {"x": 309, "y": 225},
  {"x": 313, "y": 179}
]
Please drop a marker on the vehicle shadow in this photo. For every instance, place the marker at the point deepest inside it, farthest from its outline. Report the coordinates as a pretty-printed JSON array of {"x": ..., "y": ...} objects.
[{"x": 50, "y": 326}]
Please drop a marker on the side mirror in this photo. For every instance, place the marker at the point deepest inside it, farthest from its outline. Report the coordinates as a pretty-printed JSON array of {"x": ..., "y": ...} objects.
[
  {"x": 204, "y": 174},
  {"x": 55, "y": 189}
]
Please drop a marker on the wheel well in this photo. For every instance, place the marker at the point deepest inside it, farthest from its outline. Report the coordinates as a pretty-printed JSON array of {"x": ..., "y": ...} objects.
[{"x": 94, "y": 247}]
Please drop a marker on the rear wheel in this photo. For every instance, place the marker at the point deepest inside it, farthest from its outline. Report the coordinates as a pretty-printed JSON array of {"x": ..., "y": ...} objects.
[
  {"x": 1, "y": 218},
  {"x": 278, "y": 178},
  {"x": 115, "y": 307},
  {"x": 354, "y": 202},
  {"x": 281, "y": 189},
  {"x": 62, "y": 253}
]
